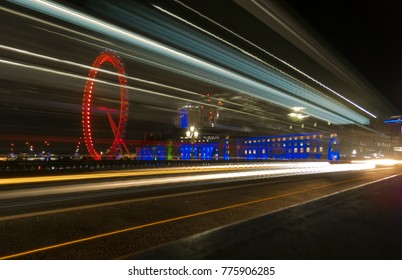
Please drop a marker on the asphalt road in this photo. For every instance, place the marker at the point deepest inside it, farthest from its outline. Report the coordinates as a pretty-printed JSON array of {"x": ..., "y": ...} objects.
[
  {"x": 116, "y": 224},
  {"x": 360, "y": 224}
]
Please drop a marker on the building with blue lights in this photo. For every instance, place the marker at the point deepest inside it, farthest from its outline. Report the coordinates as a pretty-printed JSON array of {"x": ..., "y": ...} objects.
[{"x": 281, "y": 147}]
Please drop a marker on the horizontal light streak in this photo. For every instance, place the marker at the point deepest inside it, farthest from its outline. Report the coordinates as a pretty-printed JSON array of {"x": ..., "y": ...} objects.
[
  {"x": 159, "y": 171},
  {"x": 45, "y": 57},
  {"x": 199, "y": 67},
  {"x": 265, "y": 172},
  {"x": 387, "y": 162},
  {"x": 53, "y": 25},
  {"x": 57, "y": 72},
  {"x": 307, "y": 76},
  {"x": 287, "y": 82},
  {"x": 58, "y": 60}
]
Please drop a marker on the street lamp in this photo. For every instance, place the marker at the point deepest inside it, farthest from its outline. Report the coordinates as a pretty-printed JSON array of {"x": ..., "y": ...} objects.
[{"x": 192, "y": 134}]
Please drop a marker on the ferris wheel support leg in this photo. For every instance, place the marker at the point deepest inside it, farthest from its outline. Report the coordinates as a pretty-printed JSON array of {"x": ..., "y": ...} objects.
[{"x": 114, "y": 129}]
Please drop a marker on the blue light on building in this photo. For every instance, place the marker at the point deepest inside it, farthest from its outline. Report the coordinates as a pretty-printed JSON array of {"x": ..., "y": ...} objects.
[
  {"x": 226, "y": 149},
  {"x": 183, "y": 118},
  {"x": 153, "y": 152},
  {"x": 281, "y": 147},
  {"x": 199, "y": 151},
  {"x": 333, "y": 149}
]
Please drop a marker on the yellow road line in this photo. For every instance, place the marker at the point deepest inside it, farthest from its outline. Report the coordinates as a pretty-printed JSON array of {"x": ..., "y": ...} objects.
[
  {"x": 113, "y": 203},
  {"x": 169, "y": 220}
]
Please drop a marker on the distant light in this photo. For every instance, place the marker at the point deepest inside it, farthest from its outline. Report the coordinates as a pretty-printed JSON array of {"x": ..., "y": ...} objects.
[
  {"x": 398, "y": 120},
  {"x": 298, "y": 115},
  {"x": 298, "y": 109},
  {"x": 387, "y": 162}
]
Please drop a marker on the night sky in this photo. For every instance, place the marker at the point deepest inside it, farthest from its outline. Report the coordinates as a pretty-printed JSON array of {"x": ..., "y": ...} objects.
[{"x": 368, "y": 34}]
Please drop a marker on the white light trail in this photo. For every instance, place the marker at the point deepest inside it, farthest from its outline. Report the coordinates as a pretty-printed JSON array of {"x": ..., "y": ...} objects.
[
  {"x": 266, "y": 172},
  {"x": 272, "y": 55},
  {"x": 163, "y": 66},
  {"x": 203, "y": 69},
  {"x": 386, "y": 162},
  {"x": 54, "y": 25},
  {"x": 99, "y": 70},
  {"x": 314, "y": 80},
  {"x": 314, "y": 95},
  {"x": 61, "y": 73}
]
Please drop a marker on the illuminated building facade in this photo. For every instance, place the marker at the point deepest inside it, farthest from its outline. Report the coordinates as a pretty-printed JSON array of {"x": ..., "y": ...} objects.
[{"x": 281, "y": 147}]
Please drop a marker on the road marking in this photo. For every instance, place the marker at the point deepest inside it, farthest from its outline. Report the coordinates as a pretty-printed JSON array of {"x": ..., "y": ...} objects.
[
  {"x": 189, "y": 216},
  {"x": 106, "y": 204}
]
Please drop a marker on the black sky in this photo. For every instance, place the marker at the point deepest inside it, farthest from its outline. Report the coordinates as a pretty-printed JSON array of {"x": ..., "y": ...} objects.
[{"x": 368, "y": 34}]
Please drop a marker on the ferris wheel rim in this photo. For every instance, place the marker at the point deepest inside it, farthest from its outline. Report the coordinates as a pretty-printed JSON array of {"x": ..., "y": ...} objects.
[{"x": 112, "y": 58}]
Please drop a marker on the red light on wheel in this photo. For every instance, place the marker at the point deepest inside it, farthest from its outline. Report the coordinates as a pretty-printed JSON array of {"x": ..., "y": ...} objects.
[{"x": 87, "y": 99}]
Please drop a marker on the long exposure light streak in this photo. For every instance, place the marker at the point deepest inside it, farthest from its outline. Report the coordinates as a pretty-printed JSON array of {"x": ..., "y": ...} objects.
[
  {"x": 202, "y": 68},
  {"x": 219, "y": 54},
  {"x": 98, "y": 69},
  {"x": 277, "y": 58},
  {"x": 294, "y": 84},
  {"x": 100, "y": 47},
  {"x": 58, "y": 60},
  {"x": 154, "y": 63},
  {"x": 163, "y": 66},
  {"x": 53, "y": 25},
  {"x": 57, "y": 72},
  {"x": 334, "y": 92},
  {"x": 238, "y": 174}
]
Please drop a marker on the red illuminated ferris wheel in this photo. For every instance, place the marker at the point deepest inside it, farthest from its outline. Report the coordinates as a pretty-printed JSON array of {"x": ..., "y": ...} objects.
[{"x": 119, "y": 130}]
